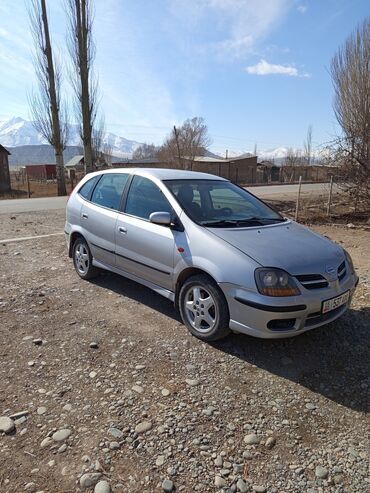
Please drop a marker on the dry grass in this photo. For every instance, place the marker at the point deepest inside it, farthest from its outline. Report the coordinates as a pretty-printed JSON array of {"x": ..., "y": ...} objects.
[
  {"x": 37, "y": 189},
  {"x": 313, "y": 209}
]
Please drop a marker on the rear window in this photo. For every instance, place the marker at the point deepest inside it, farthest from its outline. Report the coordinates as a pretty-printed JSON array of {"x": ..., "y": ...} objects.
[
  {"x": 87, "y": 187},
  {"x": 108, "y": 191}
]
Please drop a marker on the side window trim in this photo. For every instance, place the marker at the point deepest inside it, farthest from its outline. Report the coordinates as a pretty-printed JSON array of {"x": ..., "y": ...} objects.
[
  {"x": 93, "y": 188},
  {"x": 125, "y": 193}
]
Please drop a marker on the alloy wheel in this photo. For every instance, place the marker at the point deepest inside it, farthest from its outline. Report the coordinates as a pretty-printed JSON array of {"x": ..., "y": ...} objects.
[
  {"x": 200, "y": 309},
  {"x": 82, "y": 259}
]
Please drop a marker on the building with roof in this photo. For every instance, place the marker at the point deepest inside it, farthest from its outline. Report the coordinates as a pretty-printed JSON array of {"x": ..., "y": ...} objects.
[
  {"x": 41, "y": 171},
  {"x": 242, "y": 169},
  {"x": 74, "y": 165},
  {"x": 4, "y": 170}
]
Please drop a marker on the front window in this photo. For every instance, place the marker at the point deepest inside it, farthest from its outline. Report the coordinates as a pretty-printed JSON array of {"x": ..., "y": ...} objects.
[
  {"x": 145, "y": 197},
  {"x": 217, "y": 203}
]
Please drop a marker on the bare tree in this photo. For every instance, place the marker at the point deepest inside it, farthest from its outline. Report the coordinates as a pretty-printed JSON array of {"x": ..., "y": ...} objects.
[
  {"x": 350, "y": 71},
  {"x": 48, "y": 114},
  {"x": 186, "y": 142},
  {"x": 97, "y": 144},
  {"x": 293, "y": 159},
  {"x": 85, "y": 85},
  {"x": 307, "y": 146},
  {"x": 108, "y": 153},
  {"x": 145, "y": 151}
]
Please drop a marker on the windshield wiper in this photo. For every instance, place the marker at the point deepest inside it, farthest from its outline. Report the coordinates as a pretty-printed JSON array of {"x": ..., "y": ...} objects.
[
  {"x": 259, "y": 221},
  {"x": 273, "y": 219},
  {"x": 221, "y": 222},
  {"x": 232, "y": 222}
]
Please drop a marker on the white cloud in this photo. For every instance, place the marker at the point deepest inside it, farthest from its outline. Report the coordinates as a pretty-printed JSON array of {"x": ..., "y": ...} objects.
[
  {"x": 302, "y": 8},
  {"x": 237, "y": 25},
  {"x": 266, "y": 68}
]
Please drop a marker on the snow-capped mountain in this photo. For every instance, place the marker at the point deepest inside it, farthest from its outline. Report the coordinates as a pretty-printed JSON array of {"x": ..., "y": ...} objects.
[
  {"x": 277, "y": 153},
  {"x": 19, "y": 132}
]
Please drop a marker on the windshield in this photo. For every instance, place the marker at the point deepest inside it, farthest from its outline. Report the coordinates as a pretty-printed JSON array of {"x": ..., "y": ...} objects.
[{"x": 217, "y": 203}]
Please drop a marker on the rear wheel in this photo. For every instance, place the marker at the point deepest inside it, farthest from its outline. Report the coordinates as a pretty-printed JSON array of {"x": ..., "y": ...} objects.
[
  {"x": 82, "y": 259},
  {"x": 204, "y": 309}
]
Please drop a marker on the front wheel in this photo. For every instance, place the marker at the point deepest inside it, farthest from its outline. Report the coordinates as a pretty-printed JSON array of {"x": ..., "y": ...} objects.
[
  {"x": 82, "y": 259},
  {"x": 204, "y": 309}
]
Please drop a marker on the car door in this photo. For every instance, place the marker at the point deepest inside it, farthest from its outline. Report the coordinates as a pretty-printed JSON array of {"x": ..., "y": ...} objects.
[
  {"x": 99, "y": 216},
  {"x": 143, "y": 248}
]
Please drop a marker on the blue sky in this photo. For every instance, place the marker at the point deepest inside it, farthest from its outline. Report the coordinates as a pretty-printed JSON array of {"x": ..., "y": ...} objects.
[{"x": 256, "y": 70}]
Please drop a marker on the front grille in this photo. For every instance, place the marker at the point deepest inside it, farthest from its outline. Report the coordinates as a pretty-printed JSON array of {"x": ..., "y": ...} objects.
[
  {"x": 317, "y": 318},
  {"x": 281, "y": 324},
  {"x": 312, "y": 281},
  {"x": 342, "y": 271}
]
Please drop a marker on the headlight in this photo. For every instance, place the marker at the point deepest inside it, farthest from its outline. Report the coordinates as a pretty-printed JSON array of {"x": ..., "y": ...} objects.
[
  {"x": 275, "y": 282},
  {"x": 349, "y": 261}
]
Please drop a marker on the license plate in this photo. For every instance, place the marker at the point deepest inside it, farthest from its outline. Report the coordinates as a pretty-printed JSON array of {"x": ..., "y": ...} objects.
[{"x": 334, "y": 303}]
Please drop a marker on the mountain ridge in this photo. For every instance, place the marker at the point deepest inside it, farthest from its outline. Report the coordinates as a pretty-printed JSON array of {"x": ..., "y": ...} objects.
[
  {"x": 27, "y": 146},
  {"x": 17, "y": 132}
]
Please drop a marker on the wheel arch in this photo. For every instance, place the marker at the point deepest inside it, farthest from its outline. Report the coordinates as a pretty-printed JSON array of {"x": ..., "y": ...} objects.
[
  {"x": 185, "y": 275},
  {"x": 74, "y": 236}
]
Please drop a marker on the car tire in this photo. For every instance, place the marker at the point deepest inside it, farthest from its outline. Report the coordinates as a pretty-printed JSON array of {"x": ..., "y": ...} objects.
[
  {"x": 204, "y": 309},
  {"x": 82, "y": 259}
]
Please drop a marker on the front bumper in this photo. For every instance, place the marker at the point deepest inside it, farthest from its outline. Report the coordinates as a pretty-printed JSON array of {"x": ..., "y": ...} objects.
[{"x": 273, "y": 318}]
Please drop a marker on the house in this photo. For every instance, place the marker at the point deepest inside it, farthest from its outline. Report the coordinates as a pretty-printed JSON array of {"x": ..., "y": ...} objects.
[
  {"x": 267, "y": 172},
  {"x": 241, "y": 169},
  {"x": 152, "y": 162},
  {"x": 4, "y": 170},
  {"x": 41, "y": 171},
  {"x": 76, "y": 164}
]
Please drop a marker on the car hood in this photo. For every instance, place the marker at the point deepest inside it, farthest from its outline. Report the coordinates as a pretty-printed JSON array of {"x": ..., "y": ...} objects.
[{"x": 288, "y": 245}]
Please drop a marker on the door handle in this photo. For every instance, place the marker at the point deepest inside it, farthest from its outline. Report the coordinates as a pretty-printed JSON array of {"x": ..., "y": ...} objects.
[
  {"x": 121, "y": 229},
  {"x": 84, "y": 215}
]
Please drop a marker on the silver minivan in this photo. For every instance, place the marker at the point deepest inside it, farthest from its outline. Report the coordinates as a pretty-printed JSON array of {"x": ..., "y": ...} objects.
[{"x": 227, "y": 260}]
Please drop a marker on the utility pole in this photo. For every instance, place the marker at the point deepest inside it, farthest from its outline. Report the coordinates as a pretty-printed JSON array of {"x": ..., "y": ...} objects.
[
  {"x": 330, "y": 195},
  {"x": 178, "y": 146},
  {"x": 298, "y": 199},
  {"x": 28, "y": 185}
]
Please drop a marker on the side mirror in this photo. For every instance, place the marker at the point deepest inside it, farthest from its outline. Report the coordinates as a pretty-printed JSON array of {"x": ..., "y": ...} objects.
[{"x": 163, "y": 218}]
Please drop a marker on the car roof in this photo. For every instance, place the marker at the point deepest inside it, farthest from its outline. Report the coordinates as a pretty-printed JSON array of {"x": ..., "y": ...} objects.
[{"x": 164, "y": 173}]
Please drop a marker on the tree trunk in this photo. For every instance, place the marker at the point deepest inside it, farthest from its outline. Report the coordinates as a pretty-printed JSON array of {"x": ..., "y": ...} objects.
[
  {"x": 85, "y": 90},
  {"x": 54, "y": 106},
  {"x": 88, "y": 155},
  {"x": 61, "y": 180}
]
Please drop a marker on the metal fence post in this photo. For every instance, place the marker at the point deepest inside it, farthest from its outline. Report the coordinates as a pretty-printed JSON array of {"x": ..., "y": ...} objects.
[
  {"x": 330, "y": 195},
  {"x": 28, "y": 184},
  {"x": 298, "y": 197}
]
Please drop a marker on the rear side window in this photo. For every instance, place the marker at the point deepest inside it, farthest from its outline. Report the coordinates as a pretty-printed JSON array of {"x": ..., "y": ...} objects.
[
  {"x": 108, "y": 191},
  {"x": 144, "y": 198},
  {"x": 86, "y": 188}
]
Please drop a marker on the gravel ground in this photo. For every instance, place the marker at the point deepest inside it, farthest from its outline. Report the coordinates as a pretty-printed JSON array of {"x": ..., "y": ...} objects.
[{"x": 101, "y": 387}]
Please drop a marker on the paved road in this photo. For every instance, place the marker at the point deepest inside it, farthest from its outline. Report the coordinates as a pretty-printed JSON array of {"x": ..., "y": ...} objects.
[
  {"x": 32, "y": 205},
  {"x": 53, "y": 203}
]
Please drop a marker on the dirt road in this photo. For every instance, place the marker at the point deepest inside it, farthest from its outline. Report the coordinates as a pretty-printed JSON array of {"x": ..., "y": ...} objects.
[{"x": 110, "y": 386}]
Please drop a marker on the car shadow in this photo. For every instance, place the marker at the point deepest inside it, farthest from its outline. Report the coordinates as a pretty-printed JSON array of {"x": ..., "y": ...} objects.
[
  {"x": 136, "y": 292},
  {"x": 333, "y": 360}
]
